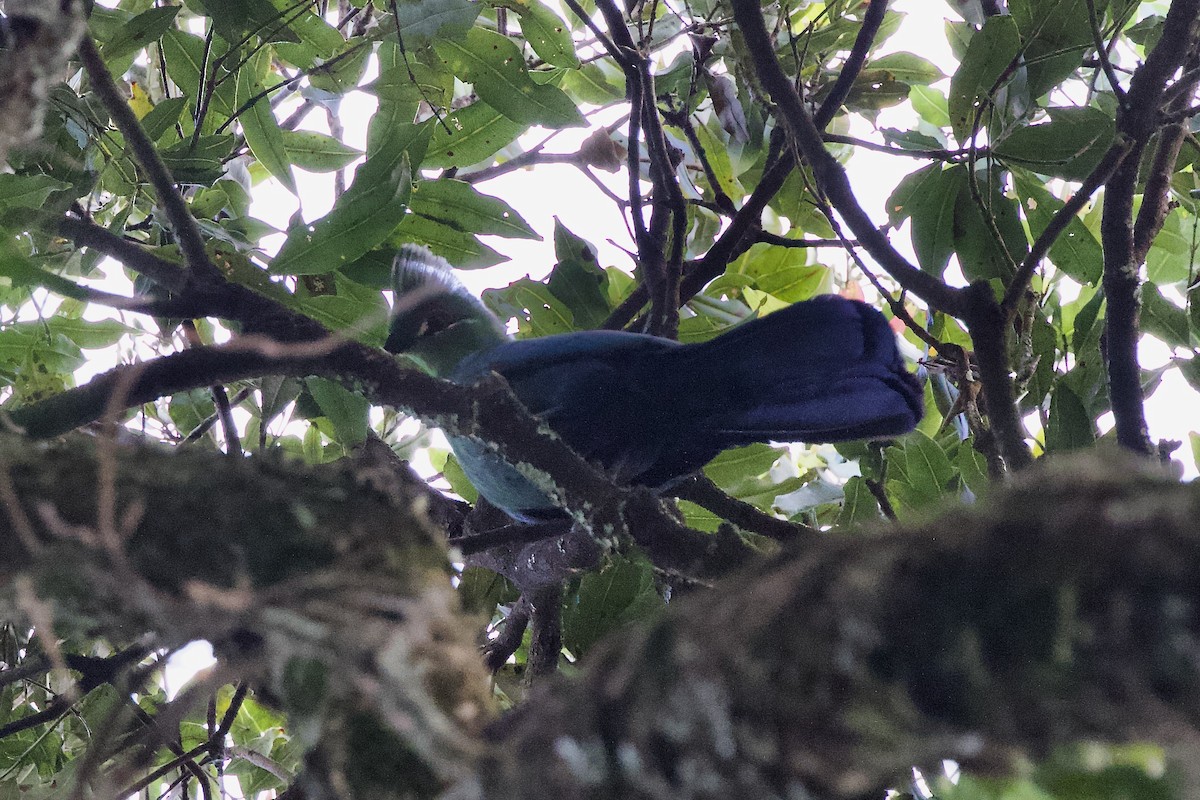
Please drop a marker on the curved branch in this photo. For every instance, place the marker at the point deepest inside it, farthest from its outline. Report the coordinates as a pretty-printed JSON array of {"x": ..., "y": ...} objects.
[
  {"x": 488, "y": 412},
  {"x": 85, "y": 233}
]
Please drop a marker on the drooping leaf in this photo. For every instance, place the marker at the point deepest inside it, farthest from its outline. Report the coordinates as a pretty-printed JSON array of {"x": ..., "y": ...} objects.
[
  {"x": 1076, "y": 251},
  {"x": 990, "y": 55},
  {"x": 619, "y": 593},
  {"x": 259, "y": 125},
  {"x": 930, "y": 197},
  {"x": 346, "y": 410},
  {"x": 577, "y": 279},
  {"x": 361, "y": 218},
  {"x": 1070, "y": 425},
  {"x": 990, "y": 240}
]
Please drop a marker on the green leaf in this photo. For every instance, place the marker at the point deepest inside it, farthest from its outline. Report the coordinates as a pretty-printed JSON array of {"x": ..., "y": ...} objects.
[
  {"x": 920, "y": 472},
  {"x": 1069, "y": 146},
  {"x": 481, "y": 590},
  {"x": 462, "y": 249},
  {"x": 577, "y": 279},
  {"x": 470, "y": 135},
  {"x": 911, "y": 140},
  {"x": 234, "y": 18},
  {"x": 361, "y": 218},
  {"x": 493, "y": 64},
  {"x": 783, "y": 272},
  {"x": 546, "y": 32},
  {"x": 930, "y": 197},
  {"x": 316, "y": 152},
  {"x": 356, "y": 311},
  {"x": 188, "y": 409},
  {"x": 277, "y": 392},
  {"x": 318, "y": 40},
  {"x": 1193, "y": 311},
  {"x": 453, "y": 472},
  {"x": 717, "y": 153},
  {"x": 84, "y": 333},
  {"x": 908, "y": 67},
  {"x": 423, "y": 21},
  {"x": 1163, "y": 319},
  {"x": 202, "y": 164},
  {"x": 27, "y": 191},
  {"x": 972, "y": 467},
  {"x": 22, "y": 271},
  {"x": 1171, "y": 258},
  {"x": 347, "y": 411},
  {"x": 460, "y": 205},
  {"x": 1070, "y": 426},
  {"x": 621, "y": 592},
  {"x": 343, "y": 73},
  {"x": 163, "y": 117},
  {"x": 736, "y": 465},
  {"x": 859, "y": 506},
  {"x": 1055, "y": 37},
  {"x": 980, "y": 256},
  {"x": 990, "y": 54},
  {"x": 931, "y": 105},
  {"x": 184, "y": 54},
  {"x": 187, "y": 55},
  {"x": 259, "y": 124},
  {"x": 1076, "y": 251},
  {"x": 538, "y": 311},
  {"x": 597, "y": 83},
  {"x": 140, "y": 31}
]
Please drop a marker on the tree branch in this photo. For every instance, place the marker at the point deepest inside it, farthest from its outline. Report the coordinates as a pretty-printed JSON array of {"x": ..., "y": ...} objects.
[
  {"x": 836, "y": 669},
  {"x": 829, "y": 174},
  {"x": 191, "y": 242}
]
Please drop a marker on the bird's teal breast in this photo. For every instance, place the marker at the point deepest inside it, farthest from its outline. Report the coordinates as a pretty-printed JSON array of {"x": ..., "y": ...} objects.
[{"x": 500, "y": 482}]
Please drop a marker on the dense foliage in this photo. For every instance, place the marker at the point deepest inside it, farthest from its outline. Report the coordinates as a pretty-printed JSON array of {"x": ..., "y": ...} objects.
[{"x": 1044, "y": 227}]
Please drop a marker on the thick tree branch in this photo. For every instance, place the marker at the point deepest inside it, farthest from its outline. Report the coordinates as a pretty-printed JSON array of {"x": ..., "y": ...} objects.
[
  {"x": 85, "y": 233},
  {"x": 282, "y": 567},
  {"x": 1138, "y": 120},
  {"x": 703, "y": 492},
  {"x": 992, "y": 636},
  {"x": 487, "y": 411},
  {"x": 1121, "y": 329}
]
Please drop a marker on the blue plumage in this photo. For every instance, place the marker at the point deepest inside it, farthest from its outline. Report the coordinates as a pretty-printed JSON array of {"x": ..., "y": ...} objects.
[{"x": 652, "y": 411}]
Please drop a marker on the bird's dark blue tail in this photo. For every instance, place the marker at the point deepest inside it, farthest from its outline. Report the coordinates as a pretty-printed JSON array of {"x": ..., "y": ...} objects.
[{"x": 826, "y": 370}]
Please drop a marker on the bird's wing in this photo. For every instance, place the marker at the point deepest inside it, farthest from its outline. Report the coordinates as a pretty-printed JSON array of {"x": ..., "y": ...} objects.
[{"x": 596, "y": 389}]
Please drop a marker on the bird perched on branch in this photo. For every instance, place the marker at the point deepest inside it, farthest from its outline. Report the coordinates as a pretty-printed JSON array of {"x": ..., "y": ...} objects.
[{"x": 651, "y": 410}]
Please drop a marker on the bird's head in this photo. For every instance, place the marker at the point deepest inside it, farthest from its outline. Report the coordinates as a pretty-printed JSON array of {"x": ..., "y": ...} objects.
[{"x": 435, "y": 319}]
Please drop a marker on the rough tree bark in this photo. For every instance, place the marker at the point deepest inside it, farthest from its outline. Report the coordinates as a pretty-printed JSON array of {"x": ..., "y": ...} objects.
[{"x": 1064, "y": 608}]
